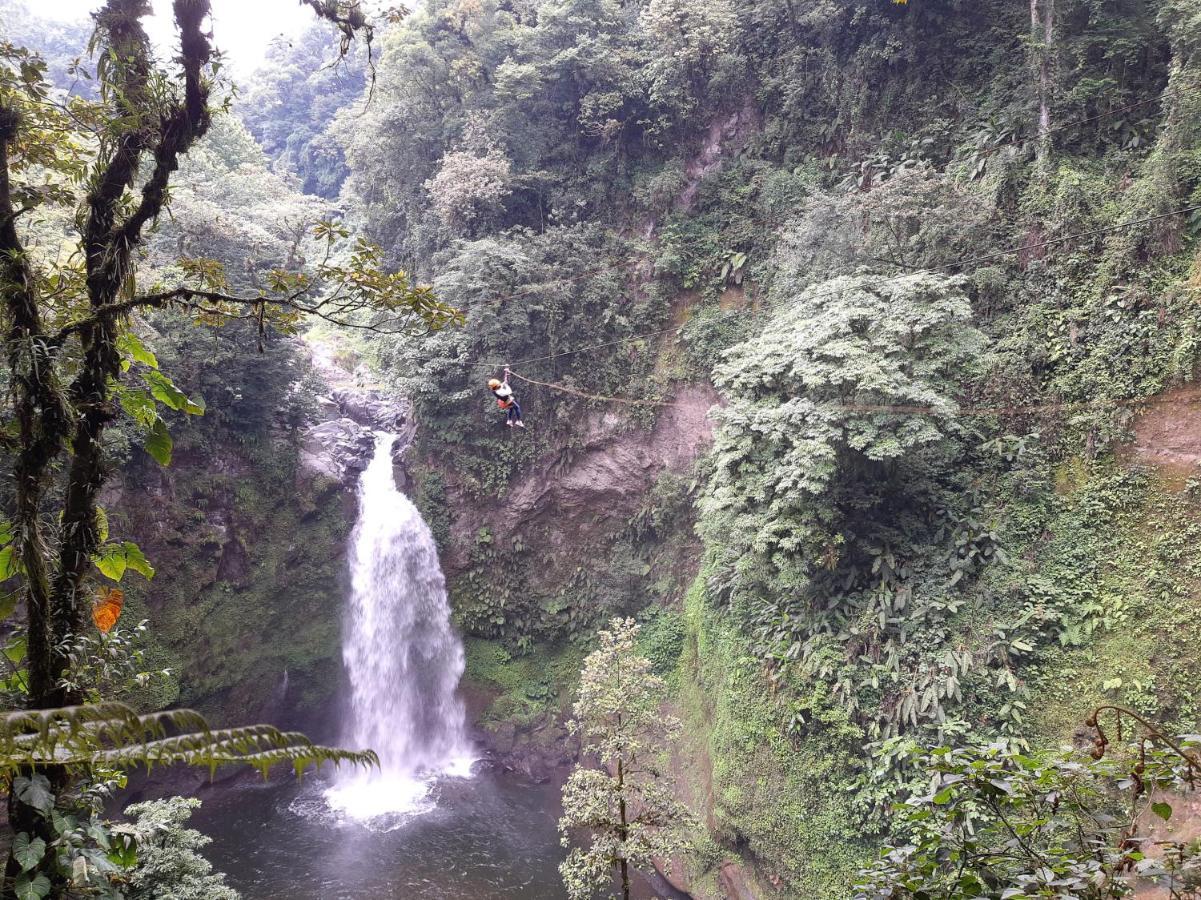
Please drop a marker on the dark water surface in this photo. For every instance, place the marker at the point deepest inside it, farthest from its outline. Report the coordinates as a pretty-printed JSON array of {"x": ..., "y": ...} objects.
[{"x": 488, "y": 837}]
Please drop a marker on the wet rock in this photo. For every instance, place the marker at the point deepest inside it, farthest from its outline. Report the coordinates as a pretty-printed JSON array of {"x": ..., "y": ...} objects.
[
  {"x": 540, "y": 752},
  {"x": 234, "y": 564},
  {"x": 339, "y": 447},
  {"x": 339, "y": 450},
  {"x": 373, "y": 408},
  {"x": 673, "y": 874},
  {"x": 602, "y": 482},
  {"x": 735, "y": 882},
  {"x": 1167, "y": 435},
  {"x": 503, "y": 739},
  {"x": 536, "y": 763}
]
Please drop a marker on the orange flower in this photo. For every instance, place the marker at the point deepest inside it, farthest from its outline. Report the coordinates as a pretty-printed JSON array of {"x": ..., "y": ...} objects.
[{"x": 107, "y": 609}]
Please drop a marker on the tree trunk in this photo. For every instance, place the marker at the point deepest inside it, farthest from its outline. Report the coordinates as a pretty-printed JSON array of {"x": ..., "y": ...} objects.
[
  {"x": 43, "y": 423},
  {"x": 1042, "y": 35},
  {"x": 54, "y": 591},
  {"x": 80, "y": 537},
  {"x": 623, "y": 830}
]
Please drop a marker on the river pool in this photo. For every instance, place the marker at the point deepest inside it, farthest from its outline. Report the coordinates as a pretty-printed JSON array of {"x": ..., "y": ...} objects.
[{"x": 488, "y": 837}]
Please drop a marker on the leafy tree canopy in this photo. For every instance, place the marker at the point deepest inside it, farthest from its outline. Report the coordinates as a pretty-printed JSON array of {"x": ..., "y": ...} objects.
[{"x": 840, "y": 414}]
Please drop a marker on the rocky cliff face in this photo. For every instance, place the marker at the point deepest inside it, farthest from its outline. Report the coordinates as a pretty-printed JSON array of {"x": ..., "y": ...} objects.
[
  {"x": 339, "y": 444},
  {"x": 570, "y": 512},
  {"x": 570, "y": 503}
]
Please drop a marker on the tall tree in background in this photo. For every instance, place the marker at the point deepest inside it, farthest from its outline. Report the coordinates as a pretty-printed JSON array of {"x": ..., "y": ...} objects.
[
  {"x": 1042, "y": 38},
  {"x": 631, "y": 818}
]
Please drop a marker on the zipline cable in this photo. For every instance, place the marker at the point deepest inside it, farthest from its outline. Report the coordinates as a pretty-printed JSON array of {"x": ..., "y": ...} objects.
[
  {"x": 958, "y": 411},
  {"x": 566, "y": 389},
  {"x": 895, "y": 408}
]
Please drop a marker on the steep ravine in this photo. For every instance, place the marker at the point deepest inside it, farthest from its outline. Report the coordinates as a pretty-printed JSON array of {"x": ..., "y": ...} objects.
[
  {"x": 250, "y": 540},
  {"x": 248, "y": 533}
]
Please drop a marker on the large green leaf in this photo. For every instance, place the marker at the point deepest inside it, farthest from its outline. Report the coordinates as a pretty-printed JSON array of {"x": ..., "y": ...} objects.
[
  {"x": 16, "y": 649},
  {"x": 163, "y": 390},
  {"x": 132, "y": 348},
  {"x": 114, "y": 736},
  {"x": 159, "y": 443},
  {"x": 35, "y": 888},
  {"x": 102, "y": 523},
  {"x": 110, "y": 560},
  {"x": 8, "y": 563},
  {"x": 8, "y": 604},
  {"x": 27, "y": 851},
  {"x": 113, "y": 560},
  {"x": 136, "y": 560},
  {"x": 123, "y": 854},
  {"x": 138, "y": 405},
  {"x": 34, "y": 791}
]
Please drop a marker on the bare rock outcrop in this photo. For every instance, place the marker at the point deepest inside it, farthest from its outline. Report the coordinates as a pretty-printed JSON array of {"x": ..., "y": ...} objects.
[
  {"x": 727, "y": 134},
  {"x": 1168, "y": 433},
  {"x": 338, "y": 449},
  {"x": 339, "y": 445}
]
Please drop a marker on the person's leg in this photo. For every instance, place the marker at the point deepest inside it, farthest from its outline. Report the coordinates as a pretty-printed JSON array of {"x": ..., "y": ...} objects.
[{"x": 515, "y": 413}]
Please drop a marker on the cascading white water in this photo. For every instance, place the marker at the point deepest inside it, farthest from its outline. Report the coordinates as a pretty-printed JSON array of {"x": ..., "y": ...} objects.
[{"x": 401, "y": 653}]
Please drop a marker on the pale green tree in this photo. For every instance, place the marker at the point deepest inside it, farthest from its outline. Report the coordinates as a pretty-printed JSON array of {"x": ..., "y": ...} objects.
[
  {"x": 170, "y": 865},
  {"x": 469, "y": 187},
  {"x": 630, "y": 815}
]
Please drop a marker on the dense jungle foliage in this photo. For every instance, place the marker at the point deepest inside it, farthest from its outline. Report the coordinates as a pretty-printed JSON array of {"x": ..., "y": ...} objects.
[
  {"x": 930, "y": 254},
  {"x": 933, "y": 263}
]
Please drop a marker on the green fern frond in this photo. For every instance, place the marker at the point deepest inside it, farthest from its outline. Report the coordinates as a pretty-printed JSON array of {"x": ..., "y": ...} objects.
[{"x": 115, "y": 736}]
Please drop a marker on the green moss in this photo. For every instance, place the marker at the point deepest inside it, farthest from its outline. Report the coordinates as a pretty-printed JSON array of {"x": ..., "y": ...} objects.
[
  {"x": 250, "y": 585},
  {"x": 661, "y": 639},
  {"x": 430, "y": 500},
  {"x": 1130, "y": 545},
  {"x": 780, "y": 802},
  {"x": 525, "y": 688}
]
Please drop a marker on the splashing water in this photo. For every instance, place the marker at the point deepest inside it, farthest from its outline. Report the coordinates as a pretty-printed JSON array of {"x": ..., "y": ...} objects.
[{"x": 403, "y": 658}]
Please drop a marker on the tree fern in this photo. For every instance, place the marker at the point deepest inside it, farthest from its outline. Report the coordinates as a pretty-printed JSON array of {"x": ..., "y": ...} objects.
[{"x": 114, "y": 736}]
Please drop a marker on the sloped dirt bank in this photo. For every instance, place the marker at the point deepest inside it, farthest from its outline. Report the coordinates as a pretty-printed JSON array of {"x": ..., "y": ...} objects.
[{"x": 1167, "y": 434}]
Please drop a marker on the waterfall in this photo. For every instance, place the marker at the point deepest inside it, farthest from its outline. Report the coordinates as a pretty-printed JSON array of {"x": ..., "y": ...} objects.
[{"x": 402, "y": 656}]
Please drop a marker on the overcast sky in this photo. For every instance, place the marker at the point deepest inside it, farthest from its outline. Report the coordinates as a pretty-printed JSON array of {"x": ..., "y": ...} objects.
[{"x": 241, "y": 28}]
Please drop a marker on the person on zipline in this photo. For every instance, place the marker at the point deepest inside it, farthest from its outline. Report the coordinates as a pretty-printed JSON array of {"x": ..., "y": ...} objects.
[{"x": 506, "y": 401}]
